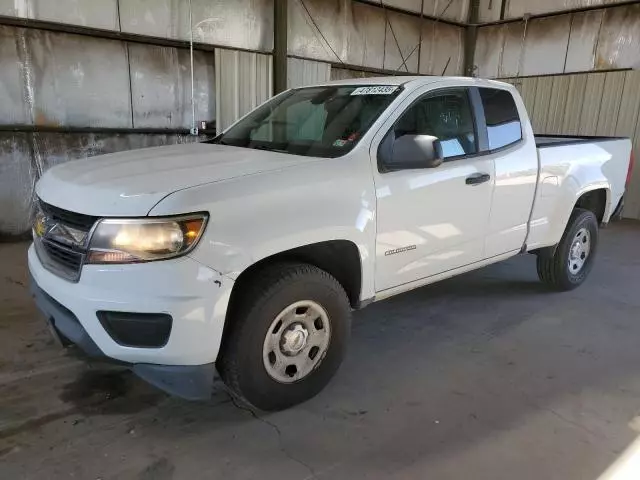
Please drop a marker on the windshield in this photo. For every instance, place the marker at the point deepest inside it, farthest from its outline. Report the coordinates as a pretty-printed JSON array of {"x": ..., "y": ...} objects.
[{"x": 318, "y": 121}]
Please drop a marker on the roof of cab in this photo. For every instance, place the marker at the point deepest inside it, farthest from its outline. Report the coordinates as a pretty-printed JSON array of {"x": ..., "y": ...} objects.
[{"x": 423, "y": 80}]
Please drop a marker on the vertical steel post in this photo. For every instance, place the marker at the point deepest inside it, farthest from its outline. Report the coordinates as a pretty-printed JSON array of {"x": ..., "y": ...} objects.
[
  {"x": 470, "y": 38},
  {"x": 280, "y": 30}
]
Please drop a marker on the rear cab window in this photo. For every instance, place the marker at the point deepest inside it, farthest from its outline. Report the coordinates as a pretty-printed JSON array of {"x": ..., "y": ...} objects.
[{"x": 504, "y": 127}]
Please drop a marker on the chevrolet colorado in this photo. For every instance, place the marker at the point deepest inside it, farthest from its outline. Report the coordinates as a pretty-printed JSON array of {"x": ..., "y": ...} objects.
[{"x": 246, "y": 254}]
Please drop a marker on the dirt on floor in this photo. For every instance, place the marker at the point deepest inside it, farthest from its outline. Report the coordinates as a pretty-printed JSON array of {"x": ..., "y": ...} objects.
[{"x": 485, "y": 376}]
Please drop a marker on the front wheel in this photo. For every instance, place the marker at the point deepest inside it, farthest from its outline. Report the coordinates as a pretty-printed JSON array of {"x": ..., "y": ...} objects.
[
  {"x": 569, "y": 264},
  {"x": 288, "y": 336}
]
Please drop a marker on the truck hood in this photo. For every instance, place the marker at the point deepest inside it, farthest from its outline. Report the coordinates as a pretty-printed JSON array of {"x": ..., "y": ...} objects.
[{"x": 131, "y": 183}]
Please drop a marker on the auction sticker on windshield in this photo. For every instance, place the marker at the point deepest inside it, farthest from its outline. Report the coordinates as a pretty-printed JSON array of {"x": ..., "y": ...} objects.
[{"x": 379, "y": 90}]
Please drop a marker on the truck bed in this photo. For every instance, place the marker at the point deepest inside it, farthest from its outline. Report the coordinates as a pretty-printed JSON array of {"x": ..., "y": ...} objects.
[{"x": 543, "y": 141}]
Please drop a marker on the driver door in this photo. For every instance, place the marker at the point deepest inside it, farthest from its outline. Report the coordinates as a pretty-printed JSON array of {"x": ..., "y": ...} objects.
[{"x": 432, "y": 220}]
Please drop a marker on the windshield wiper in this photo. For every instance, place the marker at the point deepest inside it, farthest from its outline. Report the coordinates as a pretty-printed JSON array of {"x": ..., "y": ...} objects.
[{"x": 268, "y": 149}]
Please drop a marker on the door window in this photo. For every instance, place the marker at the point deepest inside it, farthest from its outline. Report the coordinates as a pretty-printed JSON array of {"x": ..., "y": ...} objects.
[
  {"x": 446, "y": 116},
  {"x": 501, "y": 114}
]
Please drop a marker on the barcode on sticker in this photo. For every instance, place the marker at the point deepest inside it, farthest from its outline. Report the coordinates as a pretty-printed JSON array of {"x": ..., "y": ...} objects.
[{"x": 379, "y": 90}]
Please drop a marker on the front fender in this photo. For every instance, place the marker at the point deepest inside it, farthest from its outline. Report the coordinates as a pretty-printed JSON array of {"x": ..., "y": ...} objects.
[{"x": 257, "y": 216}]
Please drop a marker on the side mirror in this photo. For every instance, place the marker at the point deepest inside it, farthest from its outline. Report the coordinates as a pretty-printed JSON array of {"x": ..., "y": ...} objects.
[{"x": 415, "y": 151}]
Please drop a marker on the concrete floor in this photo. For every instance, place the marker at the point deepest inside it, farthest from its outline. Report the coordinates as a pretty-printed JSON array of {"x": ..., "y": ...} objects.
[{"x": 485, "y": 376}]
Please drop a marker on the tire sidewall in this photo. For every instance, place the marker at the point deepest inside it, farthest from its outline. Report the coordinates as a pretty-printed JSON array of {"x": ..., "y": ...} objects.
[
  {"x": 585, "y": 219},
  {"x": 256, "y": 385}
]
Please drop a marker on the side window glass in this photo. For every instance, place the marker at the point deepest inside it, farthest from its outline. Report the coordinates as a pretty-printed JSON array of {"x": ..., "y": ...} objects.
[
  {"x": 446, "y": 116},
  {"x": 501, "y": 114}
]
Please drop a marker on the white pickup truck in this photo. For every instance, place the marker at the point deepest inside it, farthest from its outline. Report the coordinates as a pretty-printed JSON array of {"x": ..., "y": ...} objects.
[{"x": 247, "y": 253}]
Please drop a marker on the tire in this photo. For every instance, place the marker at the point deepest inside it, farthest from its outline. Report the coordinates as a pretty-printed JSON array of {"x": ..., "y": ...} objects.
[
  {"x": 247, "y": 368},
  {"x": 560, "y": 268}
]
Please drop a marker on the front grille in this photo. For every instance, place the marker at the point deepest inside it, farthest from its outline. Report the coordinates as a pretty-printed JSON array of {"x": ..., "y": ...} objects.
[
  {"x": 59, "y": 259},
  {"x": 72, "y": 219},
  {"x": 62, "y": 249},
  {"x": 63, "y": 255}
]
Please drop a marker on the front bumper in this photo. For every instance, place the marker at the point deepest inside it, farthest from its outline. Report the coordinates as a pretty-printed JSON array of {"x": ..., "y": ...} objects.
[{"x": 195, "y": 296}]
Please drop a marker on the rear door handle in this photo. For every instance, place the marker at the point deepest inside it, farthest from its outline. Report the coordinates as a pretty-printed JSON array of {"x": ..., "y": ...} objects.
[{"x": 478, "y": 178}]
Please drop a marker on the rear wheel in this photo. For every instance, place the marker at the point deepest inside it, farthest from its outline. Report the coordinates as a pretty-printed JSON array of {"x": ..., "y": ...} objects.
[
  {"x": 288, "y": 336},
  {"x": 568, "y": 266}
]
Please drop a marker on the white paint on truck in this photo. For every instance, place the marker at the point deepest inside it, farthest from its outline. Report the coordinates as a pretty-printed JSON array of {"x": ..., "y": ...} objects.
[{"x": 410, "y": 226}]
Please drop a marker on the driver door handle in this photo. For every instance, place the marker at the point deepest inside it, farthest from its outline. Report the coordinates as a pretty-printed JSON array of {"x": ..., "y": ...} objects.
[{"x": 478, "y": 178}]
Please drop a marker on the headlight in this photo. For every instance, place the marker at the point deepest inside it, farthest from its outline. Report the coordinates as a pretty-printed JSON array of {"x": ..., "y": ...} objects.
[{"x": 145, "y": 239}]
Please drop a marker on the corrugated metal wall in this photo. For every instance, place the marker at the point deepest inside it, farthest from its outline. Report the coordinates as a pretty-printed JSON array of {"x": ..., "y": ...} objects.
[
  {"x": 602, "y": 39},
  {"x": 24, "y": 156},
  {"x": 53, "y": 80},
  {"x": 356, "y": 34},
  {"x": 599, "y": 41},
  {"x": 605, "y": 104},
  {"x": 346, "y": 73},
  {"x": 456, "y": 10},
  {"x": 243, "y": 81},
  {"x": 489, "y": 10},
  {"x": 239, "y": 23},
  {"x": 307, "y": 72}
]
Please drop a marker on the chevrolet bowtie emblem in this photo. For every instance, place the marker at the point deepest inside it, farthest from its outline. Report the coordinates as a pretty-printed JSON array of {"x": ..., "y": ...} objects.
[
  {"x": 65, "y": 234},
  {"x": 40, "y": 226}
]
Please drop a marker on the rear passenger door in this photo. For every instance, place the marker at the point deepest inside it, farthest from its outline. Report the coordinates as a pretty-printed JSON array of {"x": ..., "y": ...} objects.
[{"x": 511, "y": 146}]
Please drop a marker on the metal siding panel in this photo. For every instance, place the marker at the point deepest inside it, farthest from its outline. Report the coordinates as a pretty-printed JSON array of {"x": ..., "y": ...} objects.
[
  {"x": 509, "y": 65},
  {"x": 161, "y": 86},
  {"x": 81, "y": 81},
  {"x": 629, "y": 105},
  {"x": 14, "y": 64},
  {"x": 23, "y": 158},
  {"x": 307, "y": 72},
  {"x": 14, "y": 8},
  {"x": 403, "y": 31},
  {"x": 408, "y": 5},
  {"x": 610, "y": 105},
  {"x": 442, "y": 47},
  {"x": 619, "y": 39},
  {"x": 528, "y": 90},
  {"x": 305, "y": 40},
  {"x": 87, "y": 13},
  {"x": 448, "y": 50},
  {"x": 489, "y": 10},
  {"x": 489, "y": 46},
  {"x": 629, "y": 125},
  {"x": 575, "y": 102},
  {"x": 592, "y": 100},
  {"x": 518, "y": 8},
  {"x": 264, "y": 78},
  {"x": 557, "y": 104},
  {"x": 17, "y": 179},
  {"x": 544, "y": 87},
  {"x": 242, "y": 23},
  {"x": 345, "y": 74},
  {"x": 632, "y": 195},
  {"x": 242, "y": 80},
  {"x": 456, "y": 10},
  {"x": 157, "y": 18},
  {"x": 583, "y": 41},
  {"x": 57, "y": 148},
  {"x": 365, "y": 37},
  {"x": 546, "y": 45}
]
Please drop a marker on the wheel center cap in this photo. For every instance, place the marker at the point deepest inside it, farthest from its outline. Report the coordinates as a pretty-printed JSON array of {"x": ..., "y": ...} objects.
[
  {"x": 294, "y": 339},
  {"x": 576, "y": 250}
]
